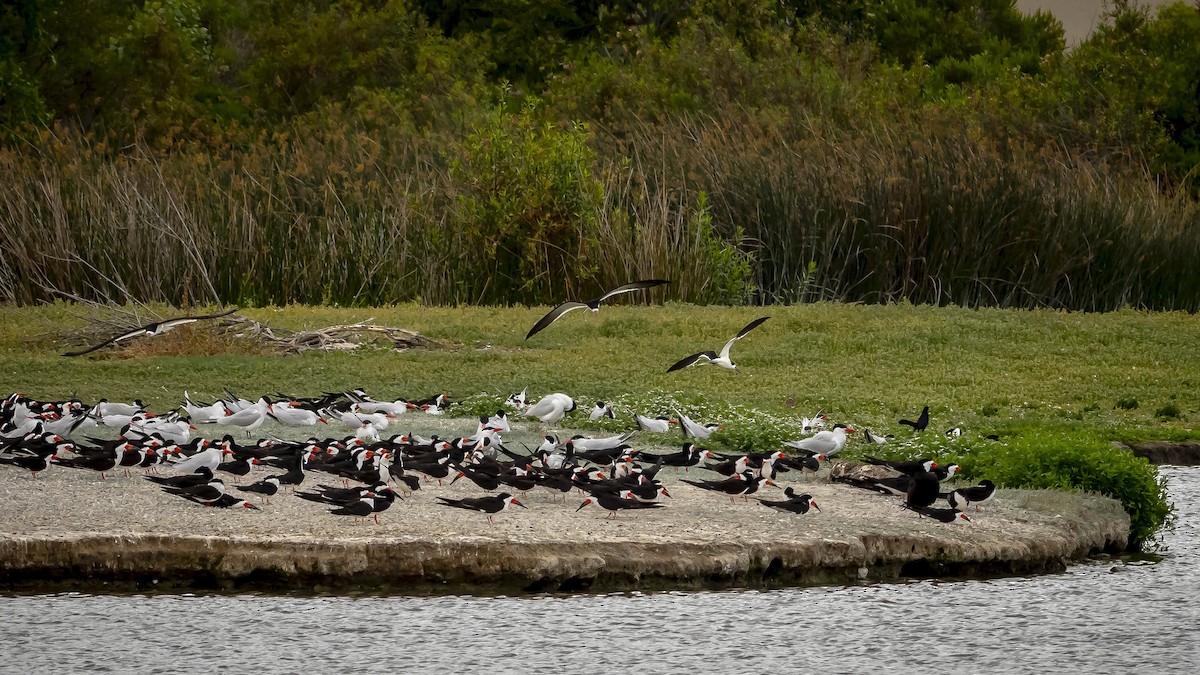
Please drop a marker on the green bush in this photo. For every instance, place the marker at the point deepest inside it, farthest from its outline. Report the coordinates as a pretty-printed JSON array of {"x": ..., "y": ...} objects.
[{"x": 1073, "y": 459}]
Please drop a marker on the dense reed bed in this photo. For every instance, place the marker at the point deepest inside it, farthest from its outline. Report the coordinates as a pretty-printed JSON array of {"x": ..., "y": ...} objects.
[{"x": 515, "y": 211}]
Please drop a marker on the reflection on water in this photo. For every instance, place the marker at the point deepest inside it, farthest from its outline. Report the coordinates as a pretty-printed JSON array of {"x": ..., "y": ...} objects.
[{"x": 1108, "y": 616}]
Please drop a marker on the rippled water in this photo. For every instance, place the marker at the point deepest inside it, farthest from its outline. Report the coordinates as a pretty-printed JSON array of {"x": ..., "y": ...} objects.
[{"x": 1100, "y": 617}]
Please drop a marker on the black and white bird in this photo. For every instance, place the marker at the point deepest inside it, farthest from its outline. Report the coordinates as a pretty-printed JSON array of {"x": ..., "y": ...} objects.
[
  {"x": 593, "y": 305},
  {"x": 602, "y": 409},
  {"x": 150, "y": 330},
  {"x": 961, "y": 498},
  {"x": 713, "y": 358}
]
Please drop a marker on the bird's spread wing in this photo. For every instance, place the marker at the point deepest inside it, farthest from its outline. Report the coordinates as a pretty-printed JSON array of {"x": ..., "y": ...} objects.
[
  {"x": 633, "y": 286},
  {"x": 741, "y": 334},
  {"x": 692, "y": 360},
  {"x": 553, "y": 315},
  {"x": 150, "y": 328}
]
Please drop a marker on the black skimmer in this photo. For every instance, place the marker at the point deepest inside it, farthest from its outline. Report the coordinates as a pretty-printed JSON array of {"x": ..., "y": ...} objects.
[
  {"x": 963, "y": 497},
  {"x": 827, "y": 442},
  {"x": 907, "y": 468},
  {"x": 489, "y": 505},
  {"x": 205, "y": 493},
  {"x": 688, "y": 456},
  {"x": 150, "y": 330},
  {"x": 944, "y": 515},
  {"x": 613, "y": 502},
  {"x": 202, "y": 476},
  {"x": 35, "y": 463},
  {"x": 228, "y": 501},
  {"x": 266, "y": 487},
  {"x": 922, "y": 421},
  {"x": 741, "y": 484},
  {"x": 363, "y": 508},
  {"x": 794, "y": 503},
  {"x": 593, "y": 305},
  {"x": 945, "y": 472},
  {"x": 713, "y": 358}
]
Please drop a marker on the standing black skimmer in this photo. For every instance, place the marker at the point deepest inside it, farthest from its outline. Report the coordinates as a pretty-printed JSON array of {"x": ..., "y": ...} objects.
[
  {"x": 722, "y": 359},
  {"x": 150, "y": 330},
  {"x": 963, "y": 497},
  {"x": 688, "y": 456},
  {"x": 593, "y": 305},
  {"x": 202, "y": 476},
  {"x": 266, "y": 487},
  {"x": 922, "y": 421},
  {"x": 617, "y": 502},
  {"x": 35, "y": 463},
  {"x": 794, "y": 503},
  {"x": 488, "y": 505}
]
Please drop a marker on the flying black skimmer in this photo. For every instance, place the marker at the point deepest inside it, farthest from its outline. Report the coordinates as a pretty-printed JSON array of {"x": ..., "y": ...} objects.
[
  {"x": 150, "y": 330},
  {"x": 593, "y": 305},
  {"x": 711, "y": 357},
  {"x": 489, "y": 505},
  {"x": 922, "y": 420},
  {"x": 794, "y": 503}
]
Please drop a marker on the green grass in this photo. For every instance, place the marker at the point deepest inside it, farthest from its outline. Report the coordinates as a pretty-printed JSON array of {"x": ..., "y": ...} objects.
[
  {"x": 1055, "y": 386},
  {"x": 869, "y": 365}
]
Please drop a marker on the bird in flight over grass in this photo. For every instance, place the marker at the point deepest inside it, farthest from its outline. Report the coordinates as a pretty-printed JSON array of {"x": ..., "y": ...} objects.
[
  {"x": 593, "y": 305},
  {"x": 711, "y": 357},
  {"x": 150, "y": 330}
]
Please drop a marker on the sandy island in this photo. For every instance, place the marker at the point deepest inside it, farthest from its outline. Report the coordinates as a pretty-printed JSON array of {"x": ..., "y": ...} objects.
[{"x": 70, "y": 530}]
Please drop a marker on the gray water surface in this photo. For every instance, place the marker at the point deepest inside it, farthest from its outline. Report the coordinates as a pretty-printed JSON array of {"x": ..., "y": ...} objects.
[{"x": 1098, "y": 617}]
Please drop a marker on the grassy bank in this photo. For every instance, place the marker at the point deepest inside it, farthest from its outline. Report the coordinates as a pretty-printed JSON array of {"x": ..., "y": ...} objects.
[{"x": 1049, "y": 383}]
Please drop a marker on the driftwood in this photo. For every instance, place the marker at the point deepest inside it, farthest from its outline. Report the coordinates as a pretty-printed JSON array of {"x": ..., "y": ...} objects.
[{"x": 342, "y": 337}]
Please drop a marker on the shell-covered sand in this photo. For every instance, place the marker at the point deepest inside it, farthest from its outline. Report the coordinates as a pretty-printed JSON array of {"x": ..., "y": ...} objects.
[{"x": 70, "y": 529}]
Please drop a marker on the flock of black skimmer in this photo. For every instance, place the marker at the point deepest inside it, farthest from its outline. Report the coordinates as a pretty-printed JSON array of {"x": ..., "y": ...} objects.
[{"x": 376, "y": 469}]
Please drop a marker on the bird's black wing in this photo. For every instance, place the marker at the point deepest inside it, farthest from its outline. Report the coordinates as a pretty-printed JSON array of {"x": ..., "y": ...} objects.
[
  {"x": 691, "y": 360},
  {"x": 553, "y": 315},
  {"x": 751, "y": 326},
  {"x": 631, "y": 287}
]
